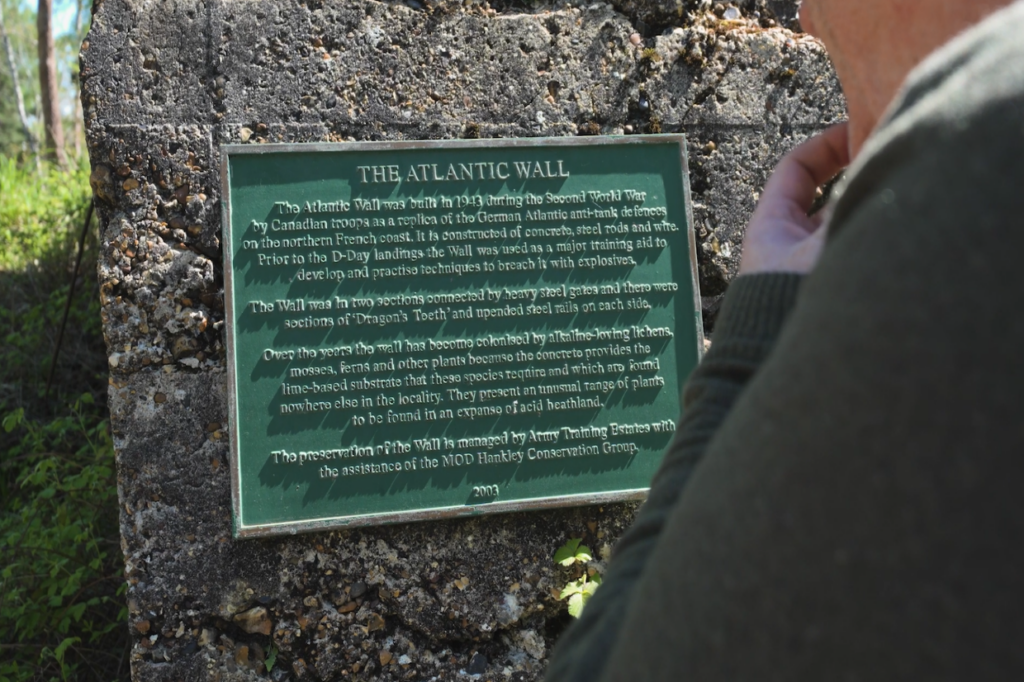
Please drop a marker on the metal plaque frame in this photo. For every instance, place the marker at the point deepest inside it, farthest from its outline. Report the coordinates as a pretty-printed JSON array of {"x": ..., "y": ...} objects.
[{"x": 456, "y": 511}]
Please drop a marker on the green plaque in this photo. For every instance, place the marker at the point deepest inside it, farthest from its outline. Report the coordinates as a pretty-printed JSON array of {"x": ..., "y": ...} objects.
[{"x": 424, "y": 330}]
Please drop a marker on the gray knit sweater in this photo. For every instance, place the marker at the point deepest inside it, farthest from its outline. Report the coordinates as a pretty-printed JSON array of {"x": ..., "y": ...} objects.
[{"x": 843, "y": 499}]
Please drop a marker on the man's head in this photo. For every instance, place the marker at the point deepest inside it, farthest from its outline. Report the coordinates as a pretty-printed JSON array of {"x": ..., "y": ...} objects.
[{"x": 874, "y": 45}]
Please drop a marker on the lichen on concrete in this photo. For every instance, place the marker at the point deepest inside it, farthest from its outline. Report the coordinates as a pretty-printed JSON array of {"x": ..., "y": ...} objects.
[
  {"x": 164, "y": 84},
  {"x": 653, "y": 15}
]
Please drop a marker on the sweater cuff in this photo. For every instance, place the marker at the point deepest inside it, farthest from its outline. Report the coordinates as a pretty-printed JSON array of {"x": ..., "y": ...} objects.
[{"x": 756, "y": 306}]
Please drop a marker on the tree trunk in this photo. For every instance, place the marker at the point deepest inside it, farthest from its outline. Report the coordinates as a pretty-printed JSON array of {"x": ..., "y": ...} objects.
[
  {"x": 78, "y": 133},
  {"x": 12, "y": 65},
  {"x": 48, "y": 84}
]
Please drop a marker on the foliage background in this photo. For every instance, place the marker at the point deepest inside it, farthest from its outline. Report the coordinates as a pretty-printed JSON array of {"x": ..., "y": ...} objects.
[
  {"x": 71, "y": 23},
  {"x": 61, "y": 567},
  {"x": 62, "y": 616}
]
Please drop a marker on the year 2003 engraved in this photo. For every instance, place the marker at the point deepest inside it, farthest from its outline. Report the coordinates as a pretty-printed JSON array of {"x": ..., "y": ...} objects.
[{"x": 485, "y": 491}]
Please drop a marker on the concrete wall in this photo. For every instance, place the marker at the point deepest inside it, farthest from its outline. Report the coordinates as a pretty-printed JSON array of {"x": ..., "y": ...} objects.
[{"x": 165, "y": 83}]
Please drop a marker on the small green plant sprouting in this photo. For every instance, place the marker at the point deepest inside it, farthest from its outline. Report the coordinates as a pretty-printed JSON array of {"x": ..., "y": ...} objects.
[
  {"x": 580, "y": 590},
  {"x": 271, "y": 658},
  {"x": 651, "y": 55}
]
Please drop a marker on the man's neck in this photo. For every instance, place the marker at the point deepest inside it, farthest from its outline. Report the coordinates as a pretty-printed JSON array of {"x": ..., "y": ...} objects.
[{"x": 875, "y": 44}]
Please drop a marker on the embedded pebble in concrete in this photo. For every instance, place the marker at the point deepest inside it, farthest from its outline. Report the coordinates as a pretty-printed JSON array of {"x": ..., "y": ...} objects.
[{"x": 164, "y": 84}]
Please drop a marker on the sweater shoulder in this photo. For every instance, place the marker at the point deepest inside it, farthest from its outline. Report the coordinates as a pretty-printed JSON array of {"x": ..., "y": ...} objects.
[{"x": 962, "y": 105}]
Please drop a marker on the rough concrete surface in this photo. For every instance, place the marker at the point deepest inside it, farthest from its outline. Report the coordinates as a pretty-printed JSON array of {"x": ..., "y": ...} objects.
[{"x": 165, "y": 83}]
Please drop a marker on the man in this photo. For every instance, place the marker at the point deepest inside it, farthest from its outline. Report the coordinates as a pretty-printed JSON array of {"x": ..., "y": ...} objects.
[{"x": 842, "y": 500}]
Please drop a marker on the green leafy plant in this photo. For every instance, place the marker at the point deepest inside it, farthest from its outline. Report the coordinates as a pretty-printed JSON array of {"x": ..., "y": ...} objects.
[
  {"x": 40, "y": 213},
  {"x": 59, "y": 572},
  {"x": 62, "y": 613},
  {"x": 580, "y": 590},
  {"x": 271, "y": 658}
]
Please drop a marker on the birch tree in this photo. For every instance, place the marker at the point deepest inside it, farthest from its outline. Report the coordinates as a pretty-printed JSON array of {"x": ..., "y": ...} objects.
[{"x": 19, "y": 97}]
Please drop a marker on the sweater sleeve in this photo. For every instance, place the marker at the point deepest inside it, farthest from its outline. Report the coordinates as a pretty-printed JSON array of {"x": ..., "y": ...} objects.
[
  {"x": 751, "y": 318},
  {"x": 852, "y": 517}
]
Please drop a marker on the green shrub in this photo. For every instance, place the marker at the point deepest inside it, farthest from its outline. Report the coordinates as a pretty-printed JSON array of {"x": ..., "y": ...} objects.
[
  {"x": 39, "y": 213},
  {"x": 61, "y": 569},
  {"x": 58, "y": 548},
  {"x": 40, "y": 219}
]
